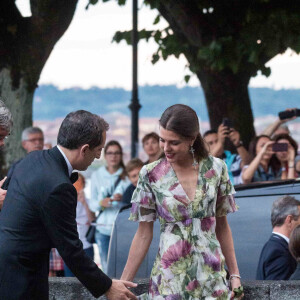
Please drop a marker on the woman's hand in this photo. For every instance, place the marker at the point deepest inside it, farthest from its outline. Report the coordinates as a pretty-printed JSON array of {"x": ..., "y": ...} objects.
[
  {"x": 106, "y": 202},
  {"x": 117, "y": 197},
  {"x": 235, "y": 283},
  {"x": 267, "y": 148}
]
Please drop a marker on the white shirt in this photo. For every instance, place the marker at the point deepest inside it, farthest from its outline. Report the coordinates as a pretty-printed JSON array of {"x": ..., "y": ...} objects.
[
  {"x": 70, "y": 168},
  {"x": 283, "y": 236}
]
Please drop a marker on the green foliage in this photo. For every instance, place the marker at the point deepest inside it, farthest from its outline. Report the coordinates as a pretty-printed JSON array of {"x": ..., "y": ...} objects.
[{"x": 218, "y": 35}]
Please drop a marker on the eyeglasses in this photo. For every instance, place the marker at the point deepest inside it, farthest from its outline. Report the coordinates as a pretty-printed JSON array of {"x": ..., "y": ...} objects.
[
  {"x": 113, "y": 153},
  {"x": 36, "y": 140}
]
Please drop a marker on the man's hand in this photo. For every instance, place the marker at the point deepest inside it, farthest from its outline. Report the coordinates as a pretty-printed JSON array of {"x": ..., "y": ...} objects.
[
  {"x": 2, "y": 192},
  {"x": 119, "y": 290},
  {"x": 223, "y": 132},
  {"x": 234, "y": 137}
]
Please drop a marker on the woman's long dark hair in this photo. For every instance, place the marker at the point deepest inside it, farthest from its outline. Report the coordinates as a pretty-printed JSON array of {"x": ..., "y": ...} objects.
[
  {"x": 274, "y": 163},
  {"x": 183, "y": 120},
  {"x": 122, "y": 165}
]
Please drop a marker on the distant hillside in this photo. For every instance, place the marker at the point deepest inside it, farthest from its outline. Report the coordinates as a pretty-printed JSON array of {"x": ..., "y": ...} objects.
[{"x": 51, "y": 103}]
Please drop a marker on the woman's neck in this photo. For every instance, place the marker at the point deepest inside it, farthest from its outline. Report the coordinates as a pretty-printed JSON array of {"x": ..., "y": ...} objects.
[
  {"x": 112, "y": 169},
  {"x": 183, "y": 164},
  {"x": 265, "y": 164}
]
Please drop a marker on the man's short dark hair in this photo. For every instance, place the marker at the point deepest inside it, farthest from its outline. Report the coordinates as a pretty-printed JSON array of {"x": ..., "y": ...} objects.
[
  {"x": 283, "y": 207},
  {"x": 81, "y": 127},
  {"x": 208, "y": 132}
]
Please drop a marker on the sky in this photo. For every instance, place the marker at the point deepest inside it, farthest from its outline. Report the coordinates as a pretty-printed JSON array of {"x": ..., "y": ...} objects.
[{"x": 85, "y": 56}]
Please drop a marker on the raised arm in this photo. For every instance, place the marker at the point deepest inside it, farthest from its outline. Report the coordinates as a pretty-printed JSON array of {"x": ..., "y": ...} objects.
[
  {"x": 139, "y": 247},
  {"x": 274, "y": 126},
  {"x": 248, "y": 173}
]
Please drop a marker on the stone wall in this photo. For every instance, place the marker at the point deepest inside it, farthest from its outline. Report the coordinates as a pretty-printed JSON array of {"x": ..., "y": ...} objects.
[{"x": 72, "y": 289}]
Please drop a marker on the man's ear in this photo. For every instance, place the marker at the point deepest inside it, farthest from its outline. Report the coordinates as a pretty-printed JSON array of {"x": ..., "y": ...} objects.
[
  {"x": 83, "y": 149},
  {"x": 288, "y": 220},
  {"x": 24, "y": 145}
]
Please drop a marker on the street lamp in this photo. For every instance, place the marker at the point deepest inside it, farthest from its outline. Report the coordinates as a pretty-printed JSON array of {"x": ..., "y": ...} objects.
[{"x": 134, "y": 105}]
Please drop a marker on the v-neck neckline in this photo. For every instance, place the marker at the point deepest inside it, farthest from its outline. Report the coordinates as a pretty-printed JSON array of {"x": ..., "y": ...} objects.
[{"x": 189, "y": 201}]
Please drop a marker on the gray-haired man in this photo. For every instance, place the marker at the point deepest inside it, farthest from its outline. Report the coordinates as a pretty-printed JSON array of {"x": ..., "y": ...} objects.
[
  {"x": 276, "y": 261},
  {"x": 32, "y": 139}
]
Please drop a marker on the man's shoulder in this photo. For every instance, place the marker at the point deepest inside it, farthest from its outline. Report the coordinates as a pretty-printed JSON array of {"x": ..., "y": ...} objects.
[{"x": 275, "y": 245}]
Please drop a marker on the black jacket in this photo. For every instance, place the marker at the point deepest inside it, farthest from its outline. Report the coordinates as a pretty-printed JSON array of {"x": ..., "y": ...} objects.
[
  {"x": 276, "y": 261},
  {"x": 296, "y": 274},
  {"x": 39, "y": 214}
]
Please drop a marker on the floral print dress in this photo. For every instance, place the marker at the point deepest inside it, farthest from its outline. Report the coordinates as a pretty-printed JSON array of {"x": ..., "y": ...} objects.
[{"x": 189, "y": 264}]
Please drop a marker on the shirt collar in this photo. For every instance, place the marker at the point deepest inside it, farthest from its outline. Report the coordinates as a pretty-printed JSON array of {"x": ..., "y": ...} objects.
[
  {"x": 70, "y": 168},
  {"x": 283, "y": 236}
]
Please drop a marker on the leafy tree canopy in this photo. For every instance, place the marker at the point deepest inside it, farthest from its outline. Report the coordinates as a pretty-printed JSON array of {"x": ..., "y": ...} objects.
[{"x": 219, "y": 34}]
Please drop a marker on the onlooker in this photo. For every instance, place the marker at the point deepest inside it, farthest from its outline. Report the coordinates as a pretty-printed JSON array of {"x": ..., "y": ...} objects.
[
  {"x": 151, "y": 146},
  {"x": 264, "y": 165},
  {"x": 133, "y": 168},
  {"x": 108, "y": 184},
  {"x": 6, "y": 123},
  {"x": 32, "y": 139},
  {"x": 235, "y": 162},
  {"x": 287, "y": 158},
  {"x": 276, "y": 262},
  {"x": 294, "y": 246},
  {"x": 84, "y": 217}
]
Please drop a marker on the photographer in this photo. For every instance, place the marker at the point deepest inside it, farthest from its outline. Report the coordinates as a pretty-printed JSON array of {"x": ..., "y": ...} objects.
[
  {"x": 215, "y": 141},
  {"x": 264, "y": 166}
]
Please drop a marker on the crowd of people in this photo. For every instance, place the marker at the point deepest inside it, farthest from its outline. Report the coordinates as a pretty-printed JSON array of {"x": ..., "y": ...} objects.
[{"x": 170, "y": 186}]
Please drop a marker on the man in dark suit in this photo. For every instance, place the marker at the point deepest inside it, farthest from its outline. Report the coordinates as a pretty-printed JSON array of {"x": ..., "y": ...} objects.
[
  {"x": 39, "y": 214},
  {"x": 276, "y": 261}
]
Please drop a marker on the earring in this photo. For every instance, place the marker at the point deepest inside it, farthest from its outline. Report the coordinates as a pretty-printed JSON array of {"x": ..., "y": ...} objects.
[{"x": 195, "y": 163}]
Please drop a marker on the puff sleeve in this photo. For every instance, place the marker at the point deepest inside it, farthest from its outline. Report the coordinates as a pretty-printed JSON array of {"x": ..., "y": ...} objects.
[
  {"x": 225, "y": 200},
  {"x": 143, "y": 200}
]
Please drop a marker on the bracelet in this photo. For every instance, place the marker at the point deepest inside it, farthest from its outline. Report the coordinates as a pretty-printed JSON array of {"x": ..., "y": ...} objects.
[
  {"x": 234, "y": 276},
  {"x": 292, "y": 167}
]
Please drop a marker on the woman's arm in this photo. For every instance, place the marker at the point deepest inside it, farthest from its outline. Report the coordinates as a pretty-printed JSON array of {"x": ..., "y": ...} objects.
[
  {"x": 139, "y": 247},
  {"x": 81, "y": 198},
  {"x": 248, "y": 174},
  {"x": 224, "y": 236}
]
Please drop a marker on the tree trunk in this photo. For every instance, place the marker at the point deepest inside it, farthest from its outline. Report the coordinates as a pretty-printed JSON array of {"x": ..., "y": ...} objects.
[
  {"x": 226, "y": 96},
  {"x": 19, "y": 102},
  {"x": 25, "y": 45}
]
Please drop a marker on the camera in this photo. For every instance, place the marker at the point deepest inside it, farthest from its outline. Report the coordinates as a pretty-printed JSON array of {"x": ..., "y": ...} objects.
[
  {"x": 280, "y": 147},
  {"x": 227, "y": 123},
  {"x": 289, "y": 114}
]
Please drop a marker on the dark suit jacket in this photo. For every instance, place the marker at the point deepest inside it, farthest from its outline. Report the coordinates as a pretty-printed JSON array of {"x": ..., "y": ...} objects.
[
  {"x": 296, "y": 274},
  {"x": 276, "y": 261},
  {"x": 39, "y": 214}
]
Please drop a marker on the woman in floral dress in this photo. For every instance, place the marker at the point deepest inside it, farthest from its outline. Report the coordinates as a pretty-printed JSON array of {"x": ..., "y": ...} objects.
[{"x": 190, "y": 193}]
